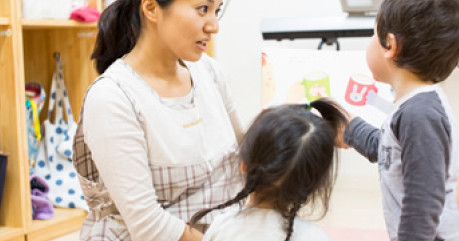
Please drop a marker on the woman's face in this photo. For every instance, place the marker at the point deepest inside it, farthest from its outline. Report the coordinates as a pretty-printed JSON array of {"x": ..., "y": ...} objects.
[{"x": 186, "y": 26}]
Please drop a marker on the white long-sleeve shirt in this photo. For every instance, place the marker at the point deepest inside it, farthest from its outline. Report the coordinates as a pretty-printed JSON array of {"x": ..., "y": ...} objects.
[{"x": 155, "y": 161}]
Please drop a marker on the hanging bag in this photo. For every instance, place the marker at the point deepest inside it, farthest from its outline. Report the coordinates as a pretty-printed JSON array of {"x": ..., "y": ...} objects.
[
  {"x": 54, "y": 161},
  {"x": 35, "y": 100}
]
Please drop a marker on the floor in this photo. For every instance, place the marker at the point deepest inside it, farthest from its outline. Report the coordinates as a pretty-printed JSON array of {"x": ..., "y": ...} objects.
[
  {"x": 69, "y": 237},
  {"x": 355, "y": 215}
]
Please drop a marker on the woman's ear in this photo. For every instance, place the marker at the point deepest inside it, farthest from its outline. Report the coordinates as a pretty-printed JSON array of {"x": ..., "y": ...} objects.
[
  {"x": 392, "y": 48},
  {"x": 150, "y": 9}
]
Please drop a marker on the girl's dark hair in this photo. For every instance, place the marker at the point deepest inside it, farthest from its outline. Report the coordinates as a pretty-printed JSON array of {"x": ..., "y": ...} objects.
[
  {"x": 119, "y": 28},
  {"x": 427, "y": 33},
  {"x": 288, "y": 153}
]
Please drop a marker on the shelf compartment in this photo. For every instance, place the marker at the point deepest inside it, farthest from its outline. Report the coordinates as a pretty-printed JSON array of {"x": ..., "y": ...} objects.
[
  {"x": 65, "y": 220},
  {"x": 11, "y": 234},
  {"x": 4, "y": 21},
  {"x": 53, "y": 23}
]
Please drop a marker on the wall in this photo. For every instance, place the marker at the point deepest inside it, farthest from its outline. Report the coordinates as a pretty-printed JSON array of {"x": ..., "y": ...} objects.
[
  {"x": 238, "y": 50},
  {"x": 239, "y": 43}
]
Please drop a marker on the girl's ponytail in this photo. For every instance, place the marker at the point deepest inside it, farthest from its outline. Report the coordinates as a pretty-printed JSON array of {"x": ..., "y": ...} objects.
[
  {"x": 330, "y": 111},
  {"x": 119, "y": 28}
]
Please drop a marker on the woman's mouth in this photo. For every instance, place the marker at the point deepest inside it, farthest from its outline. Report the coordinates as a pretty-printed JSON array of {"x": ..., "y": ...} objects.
[{"x": 202, "y": 45}]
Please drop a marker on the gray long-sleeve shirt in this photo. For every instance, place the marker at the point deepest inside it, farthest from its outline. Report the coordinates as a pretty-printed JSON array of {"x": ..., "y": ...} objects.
[{"x": 416, "y": 151}]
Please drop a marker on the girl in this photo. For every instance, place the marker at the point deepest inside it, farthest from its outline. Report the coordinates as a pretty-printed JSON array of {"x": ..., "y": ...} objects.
[
  {"x": 287, "y": 158},
  {"x": 156, "y": 126}
]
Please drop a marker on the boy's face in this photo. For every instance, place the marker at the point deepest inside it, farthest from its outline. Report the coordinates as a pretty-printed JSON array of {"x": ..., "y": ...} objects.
[{"x": 376, "y": 60}]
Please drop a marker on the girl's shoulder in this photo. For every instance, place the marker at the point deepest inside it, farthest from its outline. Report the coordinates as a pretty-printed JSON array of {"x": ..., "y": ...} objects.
[
  {"x": 303, "y": 229},
  {"x": 226, "y": 214},
  {"x": 263, "y": 224}
]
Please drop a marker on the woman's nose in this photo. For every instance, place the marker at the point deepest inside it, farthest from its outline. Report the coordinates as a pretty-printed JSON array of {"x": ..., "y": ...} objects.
[{"x": 211, "y": 25}]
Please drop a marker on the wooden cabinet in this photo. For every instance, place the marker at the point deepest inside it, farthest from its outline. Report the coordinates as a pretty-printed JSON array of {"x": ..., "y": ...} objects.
[{"x": 26, "y": 55}]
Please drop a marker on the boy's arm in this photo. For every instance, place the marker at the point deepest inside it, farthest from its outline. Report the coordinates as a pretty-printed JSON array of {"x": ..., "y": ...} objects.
[
  {"x": 424, "y": 140},
  {"x": 363, "y": 137}
]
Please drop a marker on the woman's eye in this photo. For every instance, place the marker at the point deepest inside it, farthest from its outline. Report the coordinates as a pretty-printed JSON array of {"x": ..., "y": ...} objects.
[
  {"x": 218, "y": 12},
  {"x": 203, "y": 9}
]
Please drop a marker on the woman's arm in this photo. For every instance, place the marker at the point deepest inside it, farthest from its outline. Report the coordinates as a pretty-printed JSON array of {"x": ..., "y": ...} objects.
[
  {"x": 119, "y": 150},
  {"x": 457, "y": 190},
  {"x": 227, "y": 98}
]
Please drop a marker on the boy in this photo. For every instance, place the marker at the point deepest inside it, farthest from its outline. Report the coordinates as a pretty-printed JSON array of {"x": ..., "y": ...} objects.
[{"x": 415, "y": 46}]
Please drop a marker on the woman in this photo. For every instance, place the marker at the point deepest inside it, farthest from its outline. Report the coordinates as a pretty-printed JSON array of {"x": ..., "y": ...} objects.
[{"x": 157, "y": 125}]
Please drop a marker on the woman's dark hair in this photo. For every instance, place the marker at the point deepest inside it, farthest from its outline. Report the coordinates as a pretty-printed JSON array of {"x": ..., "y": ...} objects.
[
  {"x": 427, "y": 33},
  {"x": 288, "y": 153},
  {"x": 119, "y": 27}
]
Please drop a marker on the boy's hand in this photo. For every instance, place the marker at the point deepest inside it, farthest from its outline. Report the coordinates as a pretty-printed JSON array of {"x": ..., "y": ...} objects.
[{"x": 339, "y": 141}]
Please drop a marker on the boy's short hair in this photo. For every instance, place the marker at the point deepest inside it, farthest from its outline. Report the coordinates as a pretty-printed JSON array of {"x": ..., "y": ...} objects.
[{"x": 427, "y": 35}]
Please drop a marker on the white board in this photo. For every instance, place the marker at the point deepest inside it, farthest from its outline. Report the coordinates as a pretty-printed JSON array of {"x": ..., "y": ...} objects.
[{"x": 284, "y": 72}]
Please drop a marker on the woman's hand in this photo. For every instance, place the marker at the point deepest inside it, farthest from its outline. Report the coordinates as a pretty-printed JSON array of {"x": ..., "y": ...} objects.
[{"x": 191, "y": 234}]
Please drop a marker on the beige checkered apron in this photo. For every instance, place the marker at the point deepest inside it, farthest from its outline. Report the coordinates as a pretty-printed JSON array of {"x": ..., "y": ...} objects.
[{"x": 182, "y": 190}]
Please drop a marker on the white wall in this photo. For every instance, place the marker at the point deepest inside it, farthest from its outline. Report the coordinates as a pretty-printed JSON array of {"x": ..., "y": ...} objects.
[
  {"x": 238, "y": 50},
  {"x": 239, "y": 43}
]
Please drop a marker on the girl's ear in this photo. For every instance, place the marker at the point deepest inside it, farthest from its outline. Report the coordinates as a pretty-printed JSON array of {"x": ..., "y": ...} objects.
[
  {"x": 391, "y": 51},
  {"x": 150, "y": 10}
]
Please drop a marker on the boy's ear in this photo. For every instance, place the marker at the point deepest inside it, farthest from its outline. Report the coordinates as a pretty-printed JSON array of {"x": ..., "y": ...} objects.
[
  {"x": 391, "y": 49},
  {"x": 150, "y": 9}
]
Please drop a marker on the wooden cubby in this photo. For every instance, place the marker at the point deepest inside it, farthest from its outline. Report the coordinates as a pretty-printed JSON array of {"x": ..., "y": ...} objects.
[
  {"x": 74, "y": 45},
  {"x": 26, "y": 55},
  {"x": 4, "y": 21}
]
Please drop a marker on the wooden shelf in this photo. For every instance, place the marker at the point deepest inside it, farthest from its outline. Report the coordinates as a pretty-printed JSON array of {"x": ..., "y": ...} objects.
[
  {"x": 64, "y": 221},
  {"x": 11, "y": 234},
  {"x": 52, "y": 23},
  {"x": 25, "y": 55},
  {"x": 4, "y": 21}
]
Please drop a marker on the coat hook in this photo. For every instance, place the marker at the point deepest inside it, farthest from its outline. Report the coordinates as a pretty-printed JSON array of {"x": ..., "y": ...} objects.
[{"x": 6, "y": 33}]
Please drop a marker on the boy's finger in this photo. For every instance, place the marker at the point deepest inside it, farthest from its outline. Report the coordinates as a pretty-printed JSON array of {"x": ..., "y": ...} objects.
[{"x": 339, "y": 141}]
